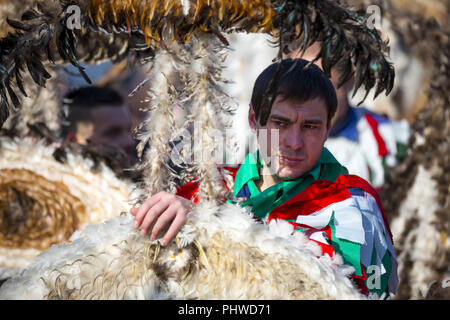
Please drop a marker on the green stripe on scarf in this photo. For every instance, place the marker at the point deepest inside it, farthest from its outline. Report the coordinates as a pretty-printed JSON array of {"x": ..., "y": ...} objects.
[
  {"x": 350, "y": 251},
  {"x": 262, "y": 203}
]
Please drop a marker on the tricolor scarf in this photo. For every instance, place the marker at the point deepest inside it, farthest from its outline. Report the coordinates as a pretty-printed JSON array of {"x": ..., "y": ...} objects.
[{"x": 262, "y": 203}]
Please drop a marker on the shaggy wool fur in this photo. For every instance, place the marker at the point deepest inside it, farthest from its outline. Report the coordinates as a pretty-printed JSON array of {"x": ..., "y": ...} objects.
[
  {"x": 43, "y": 200},
  {"x": 423, "y": 249},
  {"x": 416, "y": 194},
  {"x": 227, "y": 255}
]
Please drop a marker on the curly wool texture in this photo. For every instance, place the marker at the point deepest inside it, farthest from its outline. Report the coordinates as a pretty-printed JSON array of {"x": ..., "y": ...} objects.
[
  {"x": 23, "y": 224},
  {"x": 423, "y": 250},
  {"x": 44, "y": 201},
  {"x": 420, "y": 223},
  {"x": 112, "y": 261},
  {"x": 416, "y": 193}
]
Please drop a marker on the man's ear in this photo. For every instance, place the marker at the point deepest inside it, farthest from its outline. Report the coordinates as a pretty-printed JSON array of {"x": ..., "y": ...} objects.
[
  {"x": 80, "y": 139},
  {"x": 252, "y": 119},
  {"x": 84, "y": 131},
  {"x": 348, "y": 86}
]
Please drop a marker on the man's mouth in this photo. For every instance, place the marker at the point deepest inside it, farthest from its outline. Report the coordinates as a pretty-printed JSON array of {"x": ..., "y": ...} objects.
[{"x": 291, "y": 161}]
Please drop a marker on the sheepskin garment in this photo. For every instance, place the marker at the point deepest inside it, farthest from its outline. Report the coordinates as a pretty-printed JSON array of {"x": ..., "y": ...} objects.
[
  {"x": 43, "y": 201},
  {"x": 221, "y": 253}
]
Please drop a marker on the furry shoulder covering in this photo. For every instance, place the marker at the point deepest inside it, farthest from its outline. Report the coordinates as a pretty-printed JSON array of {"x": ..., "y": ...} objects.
[
  {"x": 47, "y": 192},
  {"x": 221, "y": 253}
]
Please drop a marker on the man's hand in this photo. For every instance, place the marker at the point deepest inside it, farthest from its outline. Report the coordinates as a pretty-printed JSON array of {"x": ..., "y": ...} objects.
[{"x": 158, "y": 212}]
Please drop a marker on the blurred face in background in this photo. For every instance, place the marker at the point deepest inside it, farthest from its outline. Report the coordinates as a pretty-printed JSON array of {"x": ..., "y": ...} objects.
[
  {"x": 342, "y": 93},
  {"x": 110, "y": 126}
]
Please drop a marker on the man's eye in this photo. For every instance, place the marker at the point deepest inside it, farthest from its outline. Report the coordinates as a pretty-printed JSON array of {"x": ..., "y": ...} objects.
[
  {"x": 310, "y": 126},
  {"x": 279, "y": 123}
]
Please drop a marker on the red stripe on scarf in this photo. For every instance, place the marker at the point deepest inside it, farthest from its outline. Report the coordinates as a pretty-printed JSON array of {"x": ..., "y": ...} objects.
[
  {"x": 190, "y": 189},
  {"x": 320, "y": 194},
  {"x": 373, "y": 123}
]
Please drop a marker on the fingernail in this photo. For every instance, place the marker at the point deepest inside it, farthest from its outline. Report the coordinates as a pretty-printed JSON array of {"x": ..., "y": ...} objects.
[
  {"x": 143, "y": 232},
  {"x": 135, "y": 224},
  {"x": 163, "y": 242}
]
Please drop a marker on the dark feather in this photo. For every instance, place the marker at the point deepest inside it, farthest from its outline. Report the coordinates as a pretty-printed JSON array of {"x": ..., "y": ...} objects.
[
  {"x": 19, "y": 82},
  {"x": 41, "y": 131},
  {"x": 37, "y": 72},
  {"x": 30, "y": 14},
  {"x": 306, "y": 33},
  {"x": 12, "y": 96},
  {"x": 4, "y": 111},
  {"x": 116, "y": 32},
  {"x": 19, "y": 25}
]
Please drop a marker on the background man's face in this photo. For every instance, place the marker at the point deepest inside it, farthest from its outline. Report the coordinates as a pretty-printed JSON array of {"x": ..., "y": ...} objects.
[
  {"x": 302, "y": 129},
  {"x": 341, "y": 92},
  {"x": 111, "y": 125}
]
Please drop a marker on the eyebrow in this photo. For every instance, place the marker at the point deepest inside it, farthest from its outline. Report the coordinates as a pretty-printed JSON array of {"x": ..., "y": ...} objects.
[
  {"x": 284, "y": 119},
  {"x": 313, "y": 121},
  {"x": 280, "y": 118}
]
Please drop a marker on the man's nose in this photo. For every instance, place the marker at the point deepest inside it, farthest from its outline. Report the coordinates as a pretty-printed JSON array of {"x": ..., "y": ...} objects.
[{"x": 294, "y": 139}]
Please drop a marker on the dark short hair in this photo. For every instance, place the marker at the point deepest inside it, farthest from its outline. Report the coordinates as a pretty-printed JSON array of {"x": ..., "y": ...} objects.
[
  {"x": 80, "y": 103},
  {"x": 293, "y": 80}
]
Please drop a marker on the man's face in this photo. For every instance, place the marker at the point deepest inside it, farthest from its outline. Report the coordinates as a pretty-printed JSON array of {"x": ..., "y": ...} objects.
[
  {"x": 110, "y": 126},
  {"x": 302, "y": 129}
]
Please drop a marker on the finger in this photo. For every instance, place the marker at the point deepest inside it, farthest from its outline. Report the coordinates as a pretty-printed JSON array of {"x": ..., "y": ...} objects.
[
  {"x": 163, "y": 221},
  {"x": 176, "y": 225},
  {"x": 142, "y": 210},
  {"x": 133, "y": 211},
  {"x": 153, "y": 214}
]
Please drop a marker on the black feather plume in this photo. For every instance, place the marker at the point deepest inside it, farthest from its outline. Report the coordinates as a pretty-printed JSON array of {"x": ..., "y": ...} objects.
[{"x": 113, "y": 32}]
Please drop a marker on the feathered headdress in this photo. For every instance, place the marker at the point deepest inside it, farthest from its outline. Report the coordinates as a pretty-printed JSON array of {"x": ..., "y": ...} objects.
[
  {"x": 48, "y": 31},
  {"x": 170, "y": 30}
]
